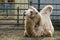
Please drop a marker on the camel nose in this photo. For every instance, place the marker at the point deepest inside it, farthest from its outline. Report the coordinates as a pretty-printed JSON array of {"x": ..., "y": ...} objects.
[{"x": 24, "y": 14}]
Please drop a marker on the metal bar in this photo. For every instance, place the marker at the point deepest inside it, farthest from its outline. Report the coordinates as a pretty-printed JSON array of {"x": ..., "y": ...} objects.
[
  {"x": 38, "y": 5},
  {"x": 33, "y": 3},
  {"x": 30, "y": 3},
  {"x": 10, "y": 24},
  {"x": 13, "y": 3},
  {"x": 21, "y": 15},
  {"x": 6, "y": 12},
  {"x": 45, "y": 4},
  {"x": 11, "y": 28},
  {"x": 17, "y": 16},
  {"x": 55, "y": 15},
  {"x": 12, "y": 19},
  {"x": 26, "y": 9},
  {"x": 10, "y": 15},
  {"x": 23, "y": 18},
  {"x": 11, "y": 9}
]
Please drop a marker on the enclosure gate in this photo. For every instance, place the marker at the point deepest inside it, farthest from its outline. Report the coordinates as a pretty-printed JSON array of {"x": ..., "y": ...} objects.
[{"x": 8, "y": 17}]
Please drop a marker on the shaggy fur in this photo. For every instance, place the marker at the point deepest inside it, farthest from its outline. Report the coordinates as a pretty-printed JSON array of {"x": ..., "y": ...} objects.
[
  {"x": 38, "y": 23},
  {"x": 31, "y": 21},
  {"x": 46, "y": 21}
]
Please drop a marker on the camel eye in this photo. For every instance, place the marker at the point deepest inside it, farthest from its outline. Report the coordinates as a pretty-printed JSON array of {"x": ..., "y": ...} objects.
[
  {"x": 24, "y": 12},
  {"x": 36, "y": 13},
  {"x": 31, "y": 12}
]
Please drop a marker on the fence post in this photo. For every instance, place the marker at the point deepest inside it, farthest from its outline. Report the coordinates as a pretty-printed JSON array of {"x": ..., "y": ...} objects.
[
  {"x": 38, "y": 5},
  {"x": 30, "y": 3},
  {"x": 7, "y": 12},
  {"x": 17, "y": 16}
]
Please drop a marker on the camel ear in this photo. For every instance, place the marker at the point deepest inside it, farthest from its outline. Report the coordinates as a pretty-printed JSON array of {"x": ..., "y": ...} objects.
[
  {"x": 47, "y": 9},
  {"x": 33, "y": 8},
  {"x": 36, "y": 12}
]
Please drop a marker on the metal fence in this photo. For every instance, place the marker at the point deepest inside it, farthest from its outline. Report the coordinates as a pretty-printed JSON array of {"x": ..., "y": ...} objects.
[
  {"x": 7, "y": 17},
  {"x": 20, "y": 22}
]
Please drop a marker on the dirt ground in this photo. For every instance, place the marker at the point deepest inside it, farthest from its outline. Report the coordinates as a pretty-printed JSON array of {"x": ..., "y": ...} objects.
[
  {"x": 19, "y": 35},
  {"x": 12, "y": 32}
]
